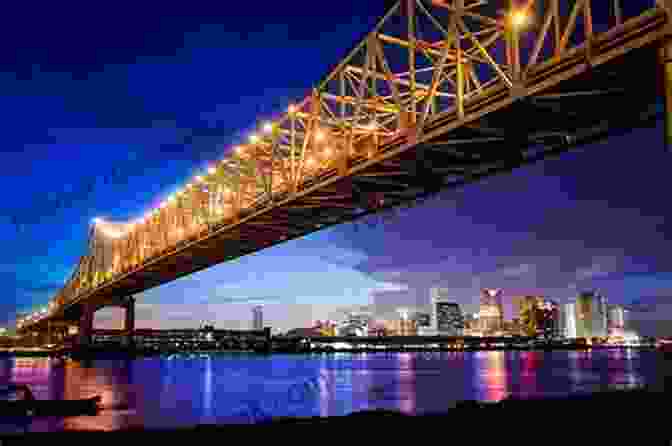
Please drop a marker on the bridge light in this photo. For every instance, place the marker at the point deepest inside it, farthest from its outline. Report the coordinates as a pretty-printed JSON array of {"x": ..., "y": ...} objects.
[
  {"x": 162, "y": 205},
  {"x": 310, "y": 162},
  {"x": 519, "y": 19},
  {"x": 327, "y": 151},
  {"x": 254, "y": 139},
  {"x": 199, "y": 179},
  {"x": 97, "y": 220},
  {"x": 291, "y": 109},
  {"x": 319, "y": 135},
  {"x": 212, "y": 170},
  {"x": 268, "y": 127}
]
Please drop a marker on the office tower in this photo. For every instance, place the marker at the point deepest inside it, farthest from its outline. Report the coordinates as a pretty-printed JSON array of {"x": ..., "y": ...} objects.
[
  {"x": 615, "y": 319},
  {"x": 491, "y": 311},
  {"x": 257, "y": 318},
  {"x": 569, "y": 320},
  {"x": 548, "y": 319},
  {"x": 449, "y": 319},
  {"x": 526, "y": 307},
  {"x": 591, "y": 315}
]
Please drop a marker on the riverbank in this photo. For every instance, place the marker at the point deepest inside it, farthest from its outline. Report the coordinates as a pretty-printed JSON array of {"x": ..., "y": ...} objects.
[
  {"x": 632, "y": 411},
  {"x": 94, "y": 353}
]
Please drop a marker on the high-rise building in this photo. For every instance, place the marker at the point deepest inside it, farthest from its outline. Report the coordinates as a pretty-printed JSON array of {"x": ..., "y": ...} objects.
[
  {"x": 569, "y": 320},
  {"x": 591, "y": 315},
  {"x": 526, "y": 307},
  {"x": 447, "y": 318},
  {"x": 615, "y": 319},
  {"x": 257, "y": 317},
  {"x": 548, "y": 319},
  {"x": 491, "y": 312}
]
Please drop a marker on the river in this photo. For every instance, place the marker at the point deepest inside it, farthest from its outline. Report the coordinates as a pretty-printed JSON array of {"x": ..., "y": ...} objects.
[{"x": 185, "y": 390}]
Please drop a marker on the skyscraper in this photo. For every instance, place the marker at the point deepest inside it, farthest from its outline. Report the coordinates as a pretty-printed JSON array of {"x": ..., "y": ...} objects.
[
  {"x": 615, "y": 319},
  {"x": 257, "y": 317},
  {"x": 591, "y": 315},
  {"x": 491, "y": 311},
  {"x": 447, "y": 318},
  {"x": 569, "y": 320}
]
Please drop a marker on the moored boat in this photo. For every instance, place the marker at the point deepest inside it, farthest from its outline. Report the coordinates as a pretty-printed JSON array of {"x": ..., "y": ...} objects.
[{"x": 19, "y": 402}]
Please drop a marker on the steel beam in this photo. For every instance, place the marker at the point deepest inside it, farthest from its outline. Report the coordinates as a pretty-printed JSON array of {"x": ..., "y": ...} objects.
[{"x": 665, "y": 54}]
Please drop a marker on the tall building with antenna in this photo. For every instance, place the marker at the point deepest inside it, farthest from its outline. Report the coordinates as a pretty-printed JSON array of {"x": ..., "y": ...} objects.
[{"x": 258, "y": 317}]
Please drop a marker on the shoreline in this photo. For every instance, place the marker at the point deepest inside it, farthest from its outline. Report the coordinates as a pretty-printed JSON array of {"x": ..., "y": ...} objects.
[
  {"x": 639, "y": 408},
  {"x": 135, "y": 353}
]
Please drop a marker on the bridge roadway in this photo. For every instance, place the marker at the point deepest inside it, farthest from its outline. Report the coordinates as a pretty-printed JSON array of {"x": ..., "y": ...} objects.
[{"x": 499, "y": 96}]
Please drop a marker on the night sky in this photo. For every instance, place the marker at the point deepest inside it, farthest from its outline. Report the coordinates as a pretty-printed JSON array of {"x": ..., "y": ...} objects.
[{"x": 109, "y": 107}]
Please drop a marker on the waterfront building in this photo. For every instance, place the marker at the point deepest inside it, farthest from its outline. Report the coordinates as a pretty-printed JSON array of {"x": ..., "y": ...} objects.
[
  {"x": 548, "y": 319},
  {"x": 526, "y": 307},
  {"x": 591, "y": 315},
  {"x": 423, "y": 323},
  {"x": 569, "y": 320},
  {"x": 615, "y": 319},
  {"x": 257, "y": 318},
  {"x": 491, "y": 312},
  {"x": 449, "y": 318}
]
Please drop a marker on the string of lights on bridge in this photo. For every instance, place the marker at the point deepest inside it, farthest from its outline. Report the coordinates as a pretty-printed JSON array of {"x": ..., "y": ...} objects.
[{"x": 319, "y": 134}]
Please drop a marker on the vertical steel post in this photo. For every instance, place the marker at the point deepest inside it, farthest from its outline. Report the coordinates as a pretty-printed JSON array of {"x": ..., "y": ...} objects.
[
  {"x": 85, "y": 325},
  {"x": 129, "y": 321},
  {"x": 410, "y": 11},
  {"x": 665, "y": 54}
]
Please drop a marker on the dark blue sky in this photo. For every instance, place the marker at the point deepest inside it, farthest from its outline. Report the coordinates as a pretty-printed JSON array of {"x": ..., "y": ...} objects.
[{"x": 106, "y": 109}]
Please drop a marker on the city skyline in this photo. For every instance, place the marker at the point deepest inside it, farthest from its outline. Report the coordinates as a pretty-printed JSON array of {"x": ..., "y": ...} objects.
[{"x": 548, "y": 229}]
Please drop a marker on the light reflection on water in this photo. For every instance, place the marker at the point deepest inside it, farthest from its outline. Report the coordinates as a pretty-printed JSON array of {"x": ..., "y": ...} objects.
[{"x": 225, "y": 388}]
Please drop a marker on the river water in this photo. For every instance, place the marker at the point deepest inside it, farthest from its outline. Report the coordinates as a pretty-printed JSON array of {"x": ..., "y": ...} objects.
[{"x": 185, "y": 390}]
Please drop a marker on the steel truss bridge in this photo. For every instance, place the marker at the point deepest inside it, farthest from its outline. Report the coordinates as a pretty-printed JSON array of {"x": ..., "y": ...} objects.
[{"x": 439, "y": 94}]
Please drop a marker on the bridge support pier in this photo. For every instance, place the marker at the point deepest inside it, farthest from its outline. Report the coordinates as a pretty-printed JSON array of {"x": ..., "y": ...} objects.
[
  {"x": 665, "y": 54},
  {"x": 85, "y": 325},
  {"x": 129, "y": 321}
]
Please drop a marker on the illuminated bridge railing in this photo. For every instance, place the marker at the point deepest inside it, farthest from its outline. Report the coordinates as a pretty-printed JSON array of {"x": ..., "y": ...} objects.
[{"x": 424, "y": 64}]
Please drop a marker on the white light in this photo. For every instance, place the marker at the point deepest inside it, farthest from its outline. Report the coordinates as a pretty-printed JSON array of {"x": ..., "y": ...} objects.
[
  {"x": 212, "y": 171},
  {"x": 268, "y": 127},
  {"x": 319, "y": 135},
  {"x": 44, "y": 311},
  {"x": 239, "y": 150},
  {"x": 199, "y": 179},
  {"x": 291, "y": 109},
  {"x": 97, "y": 220},
  {"x": 254, "y": 139},
  {"x": 162, "y": 205}
]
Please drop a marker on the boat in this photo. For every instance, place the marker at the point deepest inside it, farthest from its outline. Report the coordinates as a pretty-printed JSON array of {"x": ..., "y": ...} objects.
[{"x": 18, "y": 401}]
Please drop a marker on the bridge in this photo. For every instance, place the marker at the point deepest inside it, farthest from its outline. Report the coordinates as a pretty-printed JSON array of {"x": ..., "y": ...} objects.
[{"x": 439, "y": 94}]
